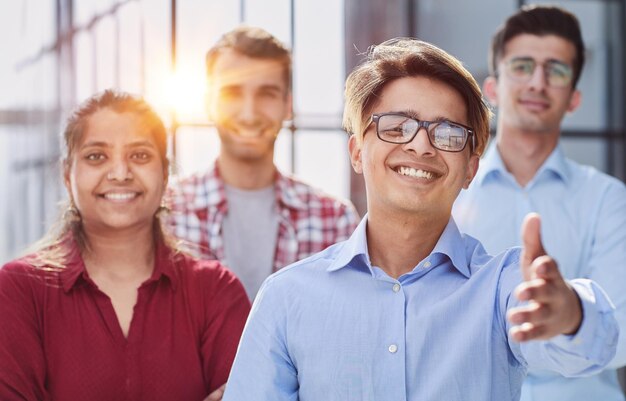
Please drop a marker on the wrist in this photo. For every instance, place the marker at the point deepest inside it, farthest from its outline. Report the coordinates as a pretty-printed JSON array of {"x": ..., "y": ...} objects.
[{"x": 576, "y": 314}]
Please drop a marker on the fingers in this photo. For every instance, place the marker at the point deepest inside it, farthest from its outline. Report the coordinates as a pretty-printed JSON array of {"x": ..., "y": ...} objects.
[
  {"x": 534, "y": 321},
  {"x": 545, "y": 267},
  {"x": 546, "y": 277},
  {"x": 531, "y": 242},
  {"x": 531, "y": 236},
  {"x": 529, "y": 331},
  {"x": 552, "y": 307},
  {"x": 217, "y": 394},
  {"x": 533, "y": 313}
]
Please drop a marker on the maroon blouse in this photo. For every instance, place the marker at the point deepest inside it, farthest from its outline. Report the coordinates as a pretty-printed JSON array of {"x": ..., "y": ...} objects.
[{"x": 60, "y": 338}]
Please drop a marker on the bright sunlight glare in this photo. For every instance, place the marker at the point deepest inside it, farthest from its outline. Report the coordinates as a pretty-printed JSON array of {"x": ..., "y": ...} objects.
[{"x": 183, "y": 93}]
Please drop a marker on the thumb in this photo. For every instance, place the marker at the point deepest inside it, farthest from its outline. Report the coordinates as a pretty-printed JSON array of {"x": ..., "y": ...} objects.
[{"x": 531, "y": 243}]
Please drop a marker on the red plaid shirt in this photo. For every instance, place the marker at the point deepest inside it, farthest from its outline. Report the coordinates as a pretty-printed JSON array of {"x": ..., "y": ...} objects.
[{"x": 309, "y": 220}]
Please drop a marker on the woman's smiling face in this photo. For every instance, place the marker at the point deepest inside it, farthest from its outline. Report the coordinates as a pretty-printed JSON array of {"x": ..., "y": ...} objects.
[{"x": 115, "y": 176}]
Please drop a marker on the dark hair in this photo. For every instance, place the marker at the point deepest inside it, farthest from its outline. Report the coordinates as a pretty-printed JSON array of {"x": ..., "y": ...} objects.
[
  {"x": 407, "y": 57},
  {"x": 252, "y": 42},
  {"x": 50, "y": 252},
  {"x": 540, "y": 21},
  {"x": 120, "y": 102}
]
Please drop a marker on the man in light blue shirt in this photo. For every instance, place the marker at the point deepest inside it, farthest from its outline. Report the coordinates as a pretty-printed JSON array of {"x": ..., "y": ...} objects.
[
  {"x": 409, "y": 308},
  {"x": 536, "y": 59}
]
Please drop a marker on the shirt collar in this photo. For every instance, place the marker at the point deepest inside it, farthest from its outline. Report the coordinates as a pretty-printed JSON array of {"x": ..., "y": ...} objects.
[
  {"x": 75, "y": 271},
  {"x": 214, "y": 190},
  {"x": 355, "y": 246},
  {"x": 287, "y": 194},
  {"x": 556, "y": 163},
  {"x": 450, "y": 244},
  {"x": 75, "y": 267},
  {"x": 491, "y": 165}
]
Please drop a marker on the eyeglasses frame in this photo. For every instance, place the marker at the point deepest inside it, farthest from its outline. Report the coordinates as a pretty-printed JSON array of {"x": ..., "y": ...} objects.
[
  {"x": 425, "y": 124},
  {"x": 545, "y": 72}
]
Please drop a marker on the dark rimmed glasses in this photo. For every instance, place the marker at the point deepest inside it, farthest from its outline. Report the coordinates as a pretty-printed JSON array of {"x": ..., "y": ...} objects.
[
  {"x": 444, "y": 135},
  {"x": 556, "y": 73}
]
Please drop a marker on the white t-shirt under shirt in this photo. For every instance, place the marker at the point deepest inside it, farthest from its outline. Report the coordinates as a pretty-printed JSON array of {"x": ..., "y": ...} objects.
[{"x": 250, "y": 229}]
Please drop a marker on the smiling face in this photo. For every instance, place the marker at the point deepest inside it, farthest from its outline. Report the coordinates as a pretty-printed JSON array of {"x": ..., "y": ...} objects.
[
  {"x": 414, "y": 177},
  {"x": 115, "y": 175},
  {"x": 248, "y": 100},
  {"x": 533, "y": 105}
]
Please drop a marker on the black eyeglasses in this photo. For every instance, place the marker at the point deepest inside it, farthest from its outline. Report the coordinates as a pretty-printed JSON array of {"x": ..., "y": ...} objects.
[
  {"x": 556, "y": 73},
  {"x": 444, "y": 135}
]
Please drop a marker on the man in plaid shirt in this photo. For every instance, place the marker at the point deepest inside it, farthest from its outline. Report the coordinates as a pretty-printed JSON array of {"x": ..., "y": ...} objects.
[{"x": 243, "y": 211}]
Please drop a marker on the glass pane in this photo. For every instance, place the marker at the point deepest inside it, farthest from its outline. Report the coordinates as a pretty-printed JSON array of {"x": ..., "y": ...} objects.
[
  {"x": 85, "y": 69},
  {"x": 106, "y": 54},
  {"x": 319, "y": 60},
  {"x": 196, "y": 149},
  {"x": 322, "y": 160},
  {"x": 130, "y": 25}
]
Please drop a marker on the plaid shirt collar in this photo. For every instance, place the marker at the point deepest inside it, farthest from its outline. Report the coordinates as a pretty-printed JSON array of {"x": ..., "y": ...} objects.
[{"x": 286, "y": 195}]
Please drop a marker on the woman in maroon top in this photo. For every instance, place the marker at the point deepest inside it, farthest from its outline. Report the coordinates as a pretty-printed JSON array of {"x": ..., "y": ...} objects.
[{"x": 107, "y": 308}]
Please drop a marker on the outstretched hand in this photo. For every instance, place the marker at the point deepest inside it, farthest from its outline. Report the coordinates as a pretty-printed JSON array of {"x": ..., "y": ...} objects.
[{"x": 553, "y": 306}]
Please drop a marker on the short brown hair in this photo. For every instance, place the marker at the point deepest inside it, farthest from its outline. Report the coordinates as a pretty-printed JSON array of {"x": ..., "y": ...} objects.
[
  {"x": 540, "y": 21},
  {"x": 252, "y": 42},
  {"x": 407, "y": 57}
]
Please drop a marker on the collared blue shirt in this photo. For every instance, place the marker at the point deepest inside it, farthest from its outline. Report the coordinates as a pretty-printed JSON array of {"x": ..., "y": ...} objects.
[
  {"x": 583, "y": 215},
  {"x": 335, "y": 328}
]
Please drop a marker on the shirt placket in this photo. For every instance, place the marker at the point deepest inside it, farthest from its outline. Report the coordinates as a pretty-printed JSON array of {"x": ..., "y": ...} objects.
[
  {"x": 133, "y": 345},
  {"x": 393, "y": 347}
]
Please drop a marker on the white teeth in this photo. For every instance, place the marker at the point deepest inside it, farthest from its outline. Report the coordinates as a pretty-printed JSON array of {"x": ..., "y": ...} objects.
[
  {"x": 411, "y": 172},
  {"x": 120, "y": 196}
]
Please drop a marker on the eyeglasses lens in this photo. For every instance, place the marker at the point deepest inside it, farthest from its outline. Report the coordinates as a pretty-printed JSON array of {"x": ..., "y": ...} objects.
[
  {"x": 442, "y": 135},
  {"x": 557, "y": 74},
  {"x": 450, "y": 137}
]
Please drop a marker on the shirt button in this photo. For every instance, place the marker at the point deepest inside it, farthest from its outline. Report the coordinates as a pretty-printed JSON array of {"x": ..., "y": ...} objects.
[
  {"x": 396, "y": 287},
  {"x": 427, "y": 264},
  {"x": 393, "y": 348}
]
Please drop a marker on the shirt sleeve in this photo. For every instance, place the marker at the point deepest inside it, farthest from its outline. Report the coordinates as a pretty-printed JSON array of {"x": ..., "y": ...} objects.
[
  {"x": 22, "y": 362},
  {"x": 606, "y": 264},
  {"x": 227, "y": 310},
  {"x": 585, "y": 353},
  {"x": 263, "y": 369}
]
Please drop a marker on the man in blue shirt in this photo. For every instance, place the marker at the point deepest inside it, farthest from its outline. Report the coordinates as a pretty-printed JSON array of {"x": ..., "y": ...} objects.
[
  {"x": 409, "y": 308},
  {"x": 536, "y": 59}
]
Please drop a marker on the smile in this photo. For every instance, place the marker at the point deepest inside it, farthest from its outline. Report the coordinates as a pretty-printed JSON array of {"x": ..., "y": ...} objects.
[
  {"x": 535, "y": 104},
  {"x": 417, "y": 173},
  {"x": 120, "y": 196}
]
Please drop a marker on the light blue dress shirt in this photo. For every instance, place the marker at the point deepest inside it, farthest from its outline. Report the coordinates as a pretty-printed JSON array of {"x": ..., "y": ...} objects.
[
  {"x": 583, "y": 214},
  {"x": 335, "y": 328}
]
